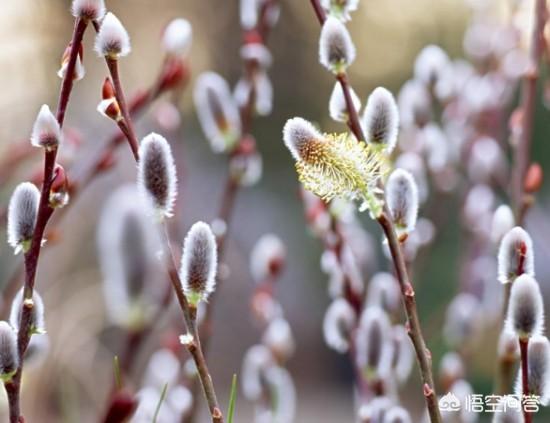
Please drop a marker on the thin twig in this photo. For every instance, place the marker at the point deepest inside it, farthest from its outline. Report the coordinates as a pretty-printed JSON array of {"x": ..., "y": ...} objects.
[
  {"x": 44, "y": 213},
  {"x": 524, "y": 348},
  {"x": 112, "y": 64},
  {"x": 528, "y": 106}
]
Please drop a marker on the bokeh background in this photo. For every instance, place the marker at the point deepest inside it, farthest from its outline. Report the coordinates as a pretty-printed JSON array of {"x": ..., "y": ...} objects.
[{"x": 73, "y": 382}]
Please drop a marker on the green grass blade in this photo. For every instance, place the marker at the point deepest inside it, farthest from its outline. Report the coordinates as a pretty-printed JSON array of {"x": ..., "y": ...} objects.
[
  {"x": 161, "y": 399},
  {"x": 232, "y": 400},
  {"x": 118, "y": 378}
]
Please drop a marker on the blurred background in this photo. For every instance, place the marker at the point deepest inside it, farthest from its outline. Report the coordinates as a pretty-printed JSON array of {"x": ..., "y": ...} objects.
[{"x": 74, "y": 380}]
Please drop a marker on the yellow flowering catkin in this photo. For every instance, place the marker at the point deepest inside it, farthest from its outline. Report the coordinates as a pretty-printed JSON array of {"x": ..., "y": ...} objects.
[{"x": 336, "y": 165}]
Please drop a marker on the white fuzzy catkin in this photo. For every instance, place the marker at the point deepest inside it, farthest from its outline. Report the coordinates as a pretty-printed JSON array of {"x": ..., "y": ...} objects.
[
  {"x": 430, "y": 63},
  {"x": 248, "y": 11},
  {"x": 9, "y": 357},
  {"x": 338, "y": 324},
  {"x": 88, "y": 9},
  {"x": 508, "y": 347},
  {"x": 526, "y": 308},
  {"x": 157, "y": 180},
  {"x": 403, "y": 353},
  {"x": 297, "y": 134},
  {"x": 340, "y": 9},
  {"x": 283, "y": 394},
  {"x": 503, "y": 222},
  {"x": 372, "y": 341},
  {"x": 384, "y": 292},
  {"x": 177, "y": 37},
  {"x": 199, "y": 263},
  {"x": 402, "y": 200},
  {"x": 256, "y": 361},
  {"x": 112, "y": 40},
  {"x": 451, "y": 367},
  {"x": 128, "y": 248},
  {"x": 336, "y": 48},
  {"x": 463, "y": 320},
  {"x": 515, "y": 255},
  {"x": 78, "y": 72},
  {"x": 22, "y": 213},
  {"x": 37, "y": 315},
  {"x": 337, "y": 104},
  {"x": 538, "y": 356},
  {"x": 279, "y": 339},
  {"x": 381, "y": 119},
  {"x": 508, "y": 411},
  {"x": 397, "y": 415},
  {"x": 263, "y": 93},
  {"x": 163, "y": 368},
  {"x": 46, "y": 131},
  {"x": 217, "y": 111},
  {"x": 267, "y": 257}
]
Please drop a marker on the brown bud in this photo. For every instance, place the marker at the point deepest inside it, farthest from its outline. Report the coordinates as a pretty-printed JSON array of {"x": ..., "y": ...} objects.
[
  {"x": 121, "y": 407},
  {"x": 59, "y": 190},
  {"x": 175, "y": 72},
  {"x": 108, "y": 90},
  {"x": 533, "y": 178}
]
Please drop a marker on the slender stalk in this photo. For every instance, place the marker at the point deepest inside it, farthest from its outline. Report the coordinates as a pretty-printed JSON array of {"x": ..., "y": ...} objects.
[
  {"x": 194, "y": 347},
  {"x": 528, "y": 103},
  {"x": 112, "y": 64},
  {"x": 13, "y": 388},
  {"x": 524, "y": 348},
  {"x": 423, "y": 355}
]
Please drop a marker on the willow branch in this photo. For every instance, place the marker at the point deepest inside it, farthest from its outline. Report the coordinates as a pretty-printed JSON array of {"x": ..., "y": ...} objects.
[
  {"x": 415, "y": 332},
  {"x": 528, "y": 106},
  {"x": 13, "y": 388}
]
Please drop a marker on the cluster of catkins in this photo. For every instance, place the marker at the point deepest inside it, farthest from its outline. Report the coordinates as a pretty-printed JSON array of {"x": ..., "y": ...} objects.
[
  {"x": 264, "y": 379},
  {"x": 360, "y": 322}
]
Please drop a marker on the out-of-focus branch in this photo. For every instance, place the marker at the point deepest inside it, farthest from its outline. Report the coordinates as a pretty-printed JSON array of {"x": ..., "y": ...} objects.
[{"x": 527, "y": 107}]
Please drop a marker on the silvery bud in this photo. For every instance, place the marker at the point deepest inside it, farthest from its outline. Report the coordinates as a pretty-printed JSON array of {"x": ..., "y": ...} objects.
[
  {"x": 9, "y": 357},
  {"x": 515, "y": 255},
  {"x": 267, "y": 258},
  {"x": 336, "y": 49},
  {"x": 338, "y": 324},
  {"x": 37, "y": 313},
  {"x": 88, "y": 9},
  {"x": 177, "y": 37},
  {"x": 46, "y": 131},
  {"x": 402, "y": 200},
  {"x": 199, "y": 263},
  {"x": 373, "y": 344},
  {"x": 157, "y": 179},
  {"x": 538, "y": 357},
  {"x": 22, "y": 213},
  {"x": 217, "y": 112},
  {"x": 112, "y": 40},
  {"x": 381, "y": 119},
  {"x": 503, "y": 222},
  {"x": 337, "y": 104},
  {"x": 279, "y": 339},
  {"x": 526, "y": 308}
]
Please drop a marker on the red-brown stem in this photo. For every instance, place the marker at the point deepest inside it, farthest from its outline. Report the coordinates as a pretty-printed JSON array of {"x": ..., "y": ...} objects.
[
  {"x": 524, "y": 348},
  {"x": 13, "y": 388},
  {"x": 528, "y": 105},
  {"x": 415, "y": 332},
  {"x": 193, "y": 347},
  {"x": 112, "y": 64},
  {"x": 423, "y": 355},
  {"x": 353, "y": 117}
]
